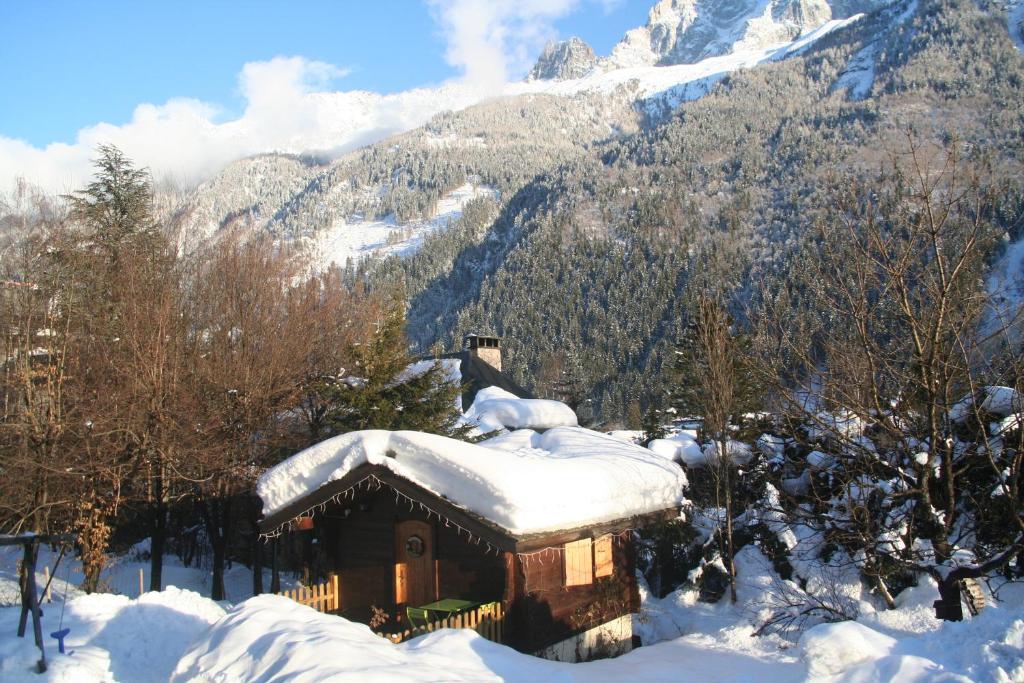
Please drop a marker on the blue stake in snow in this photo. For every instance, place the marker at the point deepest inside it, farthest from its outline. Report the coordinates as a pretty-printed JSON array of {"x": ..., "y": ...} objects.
[{"x": 60, "y": 635}]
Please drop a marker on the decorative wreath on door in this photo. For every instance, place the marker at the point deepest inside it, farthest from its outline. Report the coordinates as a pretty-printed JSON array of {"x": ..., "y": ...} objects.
[{"x": 414, "y": 546}]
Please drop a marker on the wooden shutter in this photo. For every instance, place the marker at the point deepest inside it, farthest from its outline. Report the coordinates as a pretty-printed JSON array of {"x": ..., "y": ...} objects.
[
  {"x": 579, "y": 563},
  {"x": 603, "y": 556}
]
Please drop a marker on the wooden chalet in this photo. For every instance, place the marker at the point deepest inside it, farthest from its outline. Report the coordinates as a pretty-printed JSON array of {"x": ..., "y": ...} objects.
[{"x": 408, "y": 520}]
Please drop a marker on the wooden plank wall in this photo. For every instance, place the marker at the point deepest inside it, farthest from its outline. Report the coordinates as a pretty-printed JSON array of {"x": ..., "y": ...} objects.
[
  {"x": 546, "y": 611},
  {"x": 360, "y": 547}
]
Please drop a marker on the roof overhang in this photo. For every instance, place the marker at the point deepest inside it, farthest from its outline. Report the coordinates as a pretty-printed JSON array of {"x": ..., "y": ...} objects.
[{"x": 473, "y": 523}]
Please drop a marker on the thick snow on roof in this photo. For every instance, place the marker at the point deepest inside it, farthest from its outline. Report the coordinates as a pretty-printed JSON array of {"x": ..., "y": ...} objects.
[
  {"x": 524, "y": 482},
  {"x": 495, "y": 409}
]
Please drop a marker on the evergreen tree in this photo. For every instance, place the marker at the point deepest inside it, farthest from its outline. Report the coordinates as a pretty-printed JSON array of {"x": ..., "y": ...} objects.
[
  {"x": 653, "y": 425},
  {"x": 384, "y": 392}
]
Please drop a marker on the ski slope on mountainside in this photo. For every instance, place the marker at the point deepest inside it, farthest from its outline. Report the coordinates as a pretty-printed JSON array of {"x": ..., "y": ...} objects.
[{"x": 356, "y": 239}]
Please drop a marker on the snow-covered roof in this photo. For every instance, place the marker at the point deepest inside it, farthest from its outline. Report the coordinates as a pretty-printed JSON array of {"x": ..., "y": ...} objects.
[
  {"x": 524, "y": 482},
  {"x": 495, "y": 409}
]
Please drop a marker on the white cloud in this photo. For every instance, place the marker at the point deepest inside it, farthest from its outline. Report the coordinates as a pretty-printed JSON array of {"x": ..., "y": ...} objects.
[
  {"x": 287, "y": 109},
  {"x": 493, "y": 41},
  {"x": 290, "y": 108}
]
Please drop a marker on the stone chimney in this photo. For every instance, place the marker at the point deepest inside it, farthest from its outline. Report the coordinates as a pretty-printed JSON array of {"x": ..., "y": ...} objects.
[{"x": 487, "y": 349}]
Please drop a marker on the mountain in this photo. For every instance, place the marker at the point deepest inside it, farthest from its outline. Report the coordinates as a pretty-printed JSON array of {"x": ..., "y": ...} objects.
[
  {"x": 565, "y": 100},
  {"x": 573, "y": 216},
  {"x": 687, "y": 31},
  {"x": 561, "y": 61}
]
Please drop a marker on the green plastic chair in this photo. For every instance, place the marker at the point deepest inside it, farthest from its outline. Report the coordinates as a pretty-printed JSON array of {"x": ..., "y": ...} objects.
[{"x": 417, "y": 616}]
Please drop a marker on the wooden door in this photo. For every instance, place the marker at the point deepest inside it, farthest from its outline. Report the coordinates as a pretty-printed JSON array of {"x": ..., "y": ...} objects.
[{"x": 414, "y": 563}]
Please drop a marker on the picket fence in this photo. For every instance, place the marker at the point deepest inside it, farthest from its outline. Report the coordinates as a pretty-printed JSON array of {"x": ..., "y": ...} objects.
[
  {"x": 324, "y": 597},
  {"x": 487, "y": 620}
]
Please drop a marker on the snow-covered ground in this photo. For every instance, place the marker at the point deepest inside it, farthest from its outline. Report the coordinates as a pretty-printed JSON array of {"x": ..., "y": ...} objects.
[
  {"x": 359, "y": 239},
  {"x": 121, "y": 575},
  {"x": 180, "y": 636},
  {"x": 113, "y": 636}
]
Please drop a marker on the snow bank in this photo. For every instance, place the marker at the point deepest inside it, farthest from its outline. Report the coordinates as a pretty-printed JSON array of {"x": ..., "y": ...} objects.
[
  {"x": 270, "y": 638},
  {"x": 681, "y": 450},
  {"x": 630, "y": 435},
  {"x": 495, "y": 409},
  {"x": 563, "y": 478},
  {"x": 112, "y": 637},
  {"x": 833, "y": 648},
  {"x": 692, "y": 454}
]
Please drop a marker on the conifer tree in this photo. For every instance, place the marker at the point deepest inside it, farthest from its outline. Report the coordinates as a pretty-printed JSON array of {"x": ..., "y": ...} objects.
[{"x": 382, "y": 392}]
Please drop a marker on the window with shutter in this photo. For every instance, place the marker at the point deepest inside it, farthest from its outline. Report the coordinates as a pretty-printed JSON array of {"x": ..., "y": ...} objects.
[
  {"x": 579, "y": 563},
  {"x": 603, "y": 556}
]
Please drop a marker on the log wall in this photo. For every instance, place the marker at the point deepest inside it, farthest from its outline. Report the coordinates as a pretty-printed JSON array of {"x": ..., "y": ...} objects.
[
  {"x": 546, "y": 611},
  {"x": 360, "y": 548}
]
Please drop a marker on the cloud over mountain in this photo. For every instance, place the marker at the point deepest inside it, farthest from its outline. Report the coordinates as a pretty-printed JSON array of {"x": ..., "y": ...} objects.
[{"x": 290, "y": 105}]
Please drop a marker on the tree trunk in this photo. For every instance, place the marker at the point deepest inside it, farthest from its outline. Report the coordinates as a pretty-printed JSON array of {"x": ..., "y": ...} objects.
[
  {"x": 217, "y": 515},
  {"x": 257, "y": 553},
  {"x": 883, "y": 590},
  {"x": 725, "y": 466},
  {"x": 158, "y": 538},
  {"x": 257, "y": 566}
]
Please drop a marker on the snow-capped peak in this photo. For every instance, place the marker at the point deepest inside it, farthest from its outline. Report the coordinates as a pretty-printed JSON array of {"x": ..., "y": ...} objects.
[
  {"x": 688, "y": 31},
  {"x": 571, "y": 58}
]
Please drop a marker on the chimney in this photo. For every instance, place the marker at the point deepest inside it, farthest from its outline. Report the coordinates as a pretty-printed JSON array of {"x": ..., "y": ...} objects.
[{"x": 487, "y": 349}]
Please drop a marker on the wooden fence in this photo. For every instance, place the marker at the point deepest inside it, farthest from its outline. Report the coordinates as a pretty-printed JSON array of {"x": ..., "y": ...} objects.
[
  {"x": 487, "y": 620},
  {"x": 324, "y": 597}
]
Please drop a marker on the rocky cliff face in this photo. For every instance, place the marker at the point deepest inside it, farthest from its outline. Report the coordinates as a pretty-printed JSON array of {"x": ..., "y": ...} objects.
[
  {"x": 568, "y": 59},
  {"x": 687, "y": 31}
]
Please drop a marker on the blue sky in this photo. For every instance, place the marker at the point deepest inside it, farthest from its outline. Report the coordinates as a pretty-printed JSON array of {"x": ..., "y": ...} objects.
[{"x": 65, "y": 66}]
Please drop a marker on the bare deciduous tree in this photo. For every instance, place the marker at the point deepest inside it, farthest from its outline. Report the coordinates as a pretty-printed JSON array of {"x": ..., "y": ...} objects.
[{"x": 897, "y": 358}]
